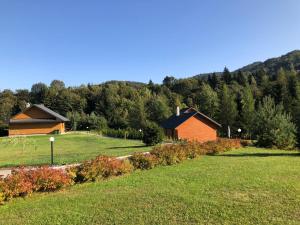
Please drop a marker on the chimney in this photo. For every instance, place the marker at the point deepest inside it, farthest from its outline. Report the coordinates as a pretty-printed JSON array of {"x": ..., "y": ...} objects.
[
  {"x": 177, "y": 111},
  {"x": 28, "y": 105}
]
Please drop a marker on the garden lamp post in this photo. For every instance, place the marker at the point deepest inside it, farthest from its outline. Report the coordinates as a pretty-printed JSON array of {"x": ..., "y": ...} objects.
[
  {"x": 239, "y": 131},
  {"x": 52, "y": 145}
]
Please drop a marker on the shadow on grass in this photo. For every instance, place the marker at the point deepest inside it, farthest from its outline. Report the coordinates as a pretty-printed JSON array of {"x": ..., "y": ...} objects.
[
  {"x": 121, "y": 147},
  {"x": 260, "y": 155}
]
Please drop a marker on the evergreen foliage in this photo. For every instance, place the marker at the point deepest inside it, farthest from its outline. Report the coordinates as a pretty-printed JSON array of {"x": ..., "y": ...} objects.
[
  {"x": 152, "y": 134},
  {"x": 230, "y": 98},
  {"x": 274, "y": 126}
]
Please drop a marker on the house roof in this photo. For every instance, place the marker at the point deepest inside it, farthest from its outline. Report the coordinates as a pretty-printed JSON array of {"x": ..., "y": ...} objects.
[
  {"x": 174, "y": 121},
  {"x": 52, "y": 113},
  {"x": 58, "y": 117}
]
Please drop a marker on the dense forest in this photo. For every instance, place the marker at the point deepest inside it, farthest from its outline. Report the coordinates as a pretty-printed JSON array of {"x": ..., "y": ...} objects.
[{"x": 231, "y": 98}]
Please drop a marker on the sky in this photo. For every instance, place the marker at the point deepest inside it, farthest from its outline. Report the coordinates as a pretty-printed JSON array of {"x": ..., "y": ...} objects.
[{"x": 94, "y": 41}]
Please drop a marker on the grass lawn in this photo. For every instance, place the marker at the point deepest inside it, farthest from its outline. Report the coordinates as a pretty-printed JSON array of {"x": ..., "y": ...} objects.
[
  {"x": 248, "y": 186},
  {"x": 69, "y": 148}
]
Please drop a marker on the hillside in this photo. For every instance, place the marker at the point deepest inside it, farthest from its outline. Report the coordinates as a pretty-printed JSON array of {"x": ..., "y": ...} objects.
[{"x": 271, "y": 66}]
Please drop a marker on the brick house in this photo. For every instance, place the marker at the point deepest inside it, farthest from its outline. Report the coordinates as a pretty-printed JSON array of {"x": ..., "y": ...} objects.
[
  {"x": 36, "y": 119},
  {"x": 192, "y": 125}
]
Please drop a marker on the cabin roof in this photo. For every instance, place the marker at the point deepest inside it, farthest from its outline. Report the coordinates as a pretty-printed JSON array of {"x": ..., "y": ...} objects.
[
  {"x": 174, "y": 121},
  {"x": 58, "y": 117}
]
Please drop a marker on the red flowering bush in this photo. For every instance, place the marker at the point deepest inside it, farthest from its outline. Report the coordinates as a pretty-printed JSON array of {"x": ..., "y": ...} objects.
[
  {"x": 143, "y": 161},
  {"x": 23, "y": 182},
  {"x": 17, "y": 184},
  {"x": 47, "y": 179},
  {"x": 100, "y": 168}
]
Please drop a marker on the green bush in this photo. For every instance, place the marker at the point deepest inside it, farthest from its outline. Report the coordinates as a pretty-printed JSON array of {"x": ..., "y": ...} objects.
[
  {"x": 143, "y": 161},
  {"x": 122, "y": 133},
  {"x": 153, "y": 134},
  {"x": 3, "y": 130}
]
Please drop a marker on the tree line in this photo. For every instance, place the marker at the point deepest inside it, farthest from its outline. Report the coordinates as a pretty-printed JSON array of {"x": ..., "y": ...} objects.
[{"x": 265, "y": 106}]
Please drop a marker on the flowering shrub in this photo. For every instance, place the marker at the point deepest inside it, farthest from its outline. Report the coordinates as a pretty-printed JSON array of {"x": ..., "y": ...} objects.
[
  {"x": 175, "y": 153},
  {"x": 221, "y": 145},
  {"x": 23, "y": 182},
  {"x": 171, "y": 154},
  {"x": 47, "y": 179},
  {"x": 100, "y": 168},
  {"x": 143, "y": 161},
  {"x": 17, "y": 184}
]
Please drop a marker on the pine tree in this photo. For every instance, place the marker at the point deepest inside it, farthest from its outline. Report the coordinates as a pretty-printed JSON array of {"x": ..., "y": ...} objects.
[
  {"x": 226, "y": 76},
  {"x": 214, "y": 81},
  {"x": 241, "y": 78},
  {"x": 281, "y": 88},
  {"x": 274, "y": 126}
]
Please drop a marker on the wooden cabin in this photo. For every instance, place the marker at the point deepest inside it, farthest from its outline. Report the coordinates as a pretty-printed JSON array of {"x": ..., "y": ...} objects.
[
  {"x": 36, "y": 119},
  {"x": 192, "y": 125}
]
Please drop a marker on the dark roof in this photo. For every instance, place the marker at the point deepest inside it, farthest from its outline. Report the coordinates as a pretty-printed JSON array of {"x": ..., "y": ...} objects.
[
  {"x": 174, "y": 121},
  {"x": 52, "y": 113},
  {"x": 12, "y": 121},
  {"x": 57, "y": 117}
]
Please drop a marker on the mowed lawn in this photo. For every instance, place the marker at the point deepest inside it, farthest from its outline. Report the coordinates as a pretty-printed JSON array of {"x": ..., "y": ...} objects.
[
  {"x": 248, "y": 186},
  {"x": 69, "y": 148}
]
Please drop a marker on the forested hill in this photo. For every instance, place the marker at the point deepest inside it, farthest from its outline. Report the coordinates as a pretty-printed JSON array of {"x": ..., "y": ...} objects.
[
  {"x": 231, "y": 98},
  {"x": 271, "y": 66}
]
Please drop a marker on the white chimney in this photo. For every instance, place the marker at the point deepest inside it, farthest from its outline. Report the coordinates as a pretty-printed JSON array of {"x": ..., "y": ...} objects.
[
  {"x": 27, "y": 105},
  {"x": 177, "y": 111}
]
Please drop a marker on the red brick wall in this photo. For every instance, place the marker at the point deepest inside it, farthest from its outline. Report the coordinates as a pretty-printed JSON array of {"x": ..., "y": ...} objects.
[{"x": 198, "y": 129}]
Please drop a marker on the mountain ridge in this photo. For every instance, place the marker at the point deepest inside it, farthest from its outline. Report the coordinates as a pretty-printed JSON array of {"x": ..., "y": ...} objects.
[{"x": 271, "y": 66}]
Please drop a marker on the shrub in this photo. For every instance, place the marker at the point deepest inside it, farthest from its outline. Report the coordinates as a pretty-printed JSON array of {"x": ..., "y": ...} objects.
[
  {"x": 153, "y": 134},
  {"x": 17, "y": 184},
  {"x": 245, "y": 143},
  {"x": 3, "y": 130},
  {"x": 121, "y": 133},
  {"x": 170, "y": 154},
  {"x": 143, "y": 161},
  {"x": 175, "y": 153},
  {"x": 2, "y": 197},
  {"x": 195, "y": 149},
  {"x": 23, "y": 182},
  {"x": 100, "y": 168},
  {"x": 47, "y": 179},
  {"x": 221, "y": 145}
]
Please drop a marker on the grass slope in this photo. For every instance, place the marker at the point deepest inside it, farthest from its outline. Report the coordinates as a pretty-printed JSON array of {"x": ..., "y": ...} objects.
[
  {"x": 69, "y": 148},
  {"x": 249, "y": 186}
]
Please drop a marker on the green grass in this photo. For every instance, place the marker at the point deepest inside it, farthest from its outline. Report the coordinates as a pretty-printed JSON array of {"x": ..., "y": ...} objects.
[
  {"x": 70, "y": 148},
  {"x": 248, "y": 186}
]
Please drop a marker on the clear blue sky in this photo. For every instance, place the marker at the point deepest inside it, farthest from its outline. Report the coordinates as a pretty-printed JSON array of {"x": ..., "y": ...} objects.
[{"x": 95, "y": 41}]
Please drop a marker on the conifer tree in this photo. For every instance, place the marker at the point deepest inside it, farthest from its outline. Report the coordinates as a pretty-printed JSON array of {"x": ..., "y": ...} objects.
[{"x": 274, "y": 126}]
